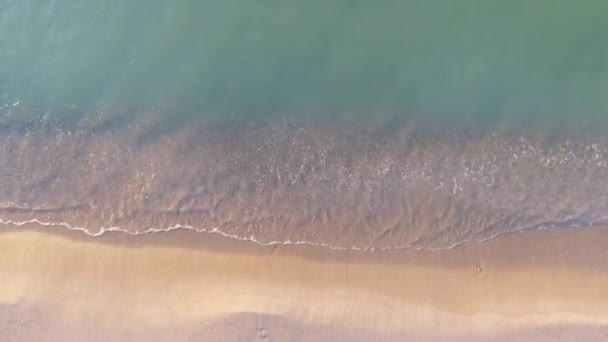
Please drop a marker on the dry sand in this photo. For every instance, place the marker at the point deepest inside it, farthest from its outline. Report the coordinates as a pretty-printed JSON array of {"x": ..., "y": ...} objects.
[{"x": 62, "y": 285}]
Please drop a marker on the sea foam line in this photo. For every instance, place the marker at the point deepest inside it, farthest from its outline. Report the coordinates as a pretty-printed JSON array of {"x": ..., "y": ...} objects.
[{"x": 252, "y": 239}]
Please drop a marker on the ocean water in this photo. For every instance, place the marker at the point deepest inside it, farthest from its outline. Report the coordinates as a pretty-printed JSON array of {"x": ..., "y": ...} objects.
[{"x": 348, "y": 124}]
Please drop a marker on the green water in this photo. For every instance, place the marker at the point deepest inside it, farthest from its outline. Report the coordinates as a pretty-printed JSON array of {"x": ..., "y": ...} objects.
[{"x": 462, "y": 60}]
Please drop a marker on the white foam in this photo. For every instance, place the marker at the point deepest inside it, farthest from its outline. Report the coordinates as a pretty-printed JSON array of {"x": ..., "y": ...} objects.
[{"x": 252, "y": 238}]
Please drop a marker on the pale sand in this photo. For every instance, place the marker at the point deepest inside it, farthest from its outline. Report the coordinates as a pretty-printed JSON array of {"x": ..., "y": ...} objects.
[{"x": 54, "y": 284}]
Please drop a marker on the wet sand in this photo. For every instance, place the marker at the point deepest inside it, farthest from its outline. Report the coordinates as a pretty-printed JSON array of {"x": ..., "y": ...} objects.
[{"x": 63, "y": 285}]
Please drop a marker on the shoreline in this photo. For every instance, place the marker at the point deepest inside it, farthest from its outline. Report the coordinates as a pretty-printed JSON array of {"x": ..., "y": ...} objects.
[
  {"x": 571, "y": 239},
  {"x": 273, "y": 244},
  {"x": 528, "y": 280}
]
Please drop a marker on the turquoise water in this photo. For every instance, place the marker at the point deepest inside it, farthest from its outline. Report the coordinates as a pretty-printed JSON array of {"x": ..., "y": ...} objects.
[{"x": 478, "y": 61}]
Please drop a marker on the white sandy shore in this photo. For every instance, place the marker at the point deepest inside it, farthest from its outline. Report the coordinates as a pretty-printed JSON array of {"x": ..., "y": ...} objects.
[{"x": 60, "y": 285}]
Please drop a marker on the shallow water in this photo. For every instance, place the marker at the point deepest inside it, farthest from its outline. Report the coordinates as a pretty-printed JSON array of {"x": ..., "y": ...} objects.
[
  {"x": 336, "y": 184},
  {"x": 390, "y": 124}
]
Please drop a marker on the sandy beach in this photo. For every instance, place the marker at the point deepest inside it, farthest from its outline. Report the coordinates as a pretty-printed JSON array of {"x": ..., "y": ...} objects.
[
  {"x": 62, "y": 285},
  {"x": 303, "y": 170}
]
